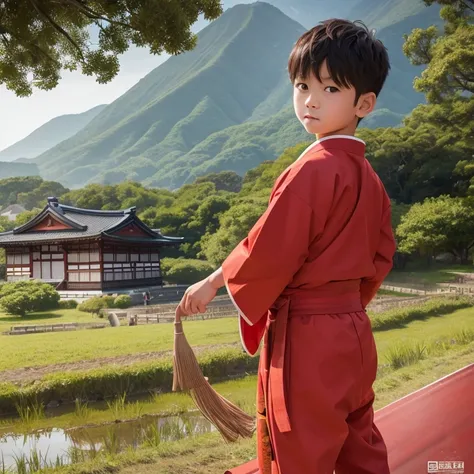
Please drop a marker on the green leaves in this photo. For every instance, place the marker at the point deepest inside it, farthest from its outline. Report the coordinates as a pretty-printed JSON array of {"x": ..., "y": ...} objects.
[
  {"x": 21, "y": 297},
  {"x": 437, "y": 225},
  {"x": 449, "y": 56},
  {"x": 40, "y": 38}
]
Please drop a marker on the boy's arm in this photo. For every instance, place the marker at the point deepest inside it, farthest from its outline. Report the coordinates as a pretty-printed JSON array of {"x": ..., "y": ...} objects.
[
  {"x": 257, "y": 271},
  {"x": 383, "y": 260}
]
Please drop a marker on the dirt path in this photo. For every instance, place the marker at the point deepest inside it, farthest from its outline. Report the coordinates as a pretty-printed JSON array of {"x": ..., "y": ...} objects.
[{"x": 30, "y": 374}]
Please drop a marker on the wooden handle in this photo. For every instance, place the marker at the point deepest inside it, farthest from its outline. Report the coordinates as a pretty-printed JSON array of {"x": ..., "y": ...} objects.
[{"x": 177, "y": 315}]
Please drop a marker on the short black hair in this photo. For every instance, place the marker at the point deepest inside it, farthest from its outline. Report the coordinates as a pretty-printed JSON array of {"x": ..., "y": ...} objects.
[{"x": 354, "y": 57}]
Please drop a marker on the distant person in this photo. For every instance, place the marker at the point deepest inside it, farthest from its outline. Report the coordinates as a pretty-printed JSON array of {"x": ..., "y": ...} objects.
[{"x": 307, "y": 270}]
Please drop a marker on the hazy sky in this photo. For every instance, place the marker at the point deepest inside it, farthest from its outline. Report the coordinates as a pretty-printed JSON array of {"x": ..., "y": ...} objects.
[{"x": 75, "y": 93}]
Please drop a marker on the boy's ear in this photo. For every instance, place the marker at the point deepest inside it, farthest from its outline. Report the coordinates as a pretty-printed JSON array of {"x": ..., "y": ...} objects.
[{"x": 366, "y": 104}]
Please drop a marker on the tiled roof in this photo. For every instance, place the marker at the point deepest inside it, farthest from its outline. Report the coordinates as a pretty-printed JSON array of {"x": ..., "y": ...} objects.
[{"x": 86, "y": 223}]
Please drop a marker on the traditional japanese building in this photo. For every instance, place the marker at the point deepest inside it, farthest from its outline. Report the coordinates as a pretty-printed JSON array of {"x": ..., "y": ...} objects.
[{"x": 83, "y": 249}]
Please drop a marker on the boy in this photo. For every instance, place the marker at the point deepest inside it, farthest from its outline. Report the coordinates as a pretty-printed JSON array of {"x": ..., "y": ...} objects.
[{"x": 311, "y": 264}]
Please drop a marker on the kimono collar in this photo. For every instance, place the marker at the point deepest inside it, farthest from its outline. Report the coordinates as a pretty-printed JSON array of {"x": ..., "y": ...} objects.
[{"x": 347, "y": 143}]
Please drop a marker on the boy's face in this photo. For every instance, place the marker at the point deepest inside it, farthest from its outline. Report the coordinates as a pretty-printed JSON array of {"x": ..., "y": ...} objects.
[{"x": 327, "y": 109}]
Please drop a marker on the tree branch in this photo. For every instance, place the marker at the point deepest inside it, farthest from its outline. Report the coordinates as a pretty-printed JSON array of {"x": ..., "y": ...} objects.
[
  {"x": 31, "y": 44},
  {"x": 57, "y": 27},
  {"x": 466, "y": 5},
  {"x": 466, "y": 78},
  {"x": 464, "y": 85},
  {"x": 96, "y": 16}
]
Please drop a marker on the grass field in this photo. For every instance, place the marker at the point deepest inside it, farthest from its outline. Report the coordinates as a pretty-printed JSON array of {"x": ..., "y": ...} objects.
[
  {"x": 426, "y": 332},
  {"x": 57, "y": 316},
  {"x": 71, "y": 346},
  {"x": 438, "y": 273},
  {"x": 38, "y": 350}
]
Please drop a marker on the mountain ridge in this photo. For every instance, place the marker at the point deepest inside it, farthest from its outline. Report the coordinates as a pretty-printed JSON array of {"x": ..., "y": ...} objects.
[
  {"x": 154, "y": 132},
  {"x": 49, "y": 134},
  {"x": 142, "y": 132}
]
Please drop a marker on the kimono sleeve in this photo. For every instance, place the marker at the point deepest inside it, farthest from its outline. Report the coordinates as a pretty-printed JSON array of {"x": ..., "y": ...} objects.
[
  {"x": 257, "y": 271},
  {"x": 383, "y": 260}
]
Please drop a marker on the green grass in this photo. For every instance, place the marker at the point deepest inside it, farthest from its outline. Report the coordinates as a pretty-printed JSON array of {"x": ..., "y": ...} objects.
[
  {"x": 429, "y": 329},
  {"x": 438, "y": 273},
  {"x": 240, "y": 391},
  {"x": 109, "y": 381},
  {"x": 57, "y": 316},
  {"x": 72, "y": 346}
]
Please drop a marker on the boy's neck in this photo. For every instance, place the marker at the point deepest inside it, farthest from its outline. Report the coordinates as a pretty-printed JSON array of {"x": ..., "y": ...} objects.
[
  {"x": 348, "y": 130},
  {"x": 328, "y": 135}
]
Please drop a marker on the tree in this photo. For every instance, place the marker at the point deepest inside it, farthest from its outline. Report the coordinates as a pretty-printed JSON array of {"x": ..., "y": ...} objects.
[
  {"x": 185, "y": 271},
  {"x": 224, "y": 181},
  {"x": 415, "y": 161},
  {"x": 443, "y": 224},
  {"x": 26, "y": 216},
  {"x": 40, "y": 194},
  {"x": 42, "y": 37},
  {"x": 449, "y": 55},
  {"x": 235, "y": 225}
]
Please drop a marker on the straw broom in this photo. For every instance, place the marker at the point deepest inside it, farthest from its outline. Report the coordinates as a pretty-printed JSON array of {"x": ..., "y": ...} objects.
[{"x": 229, "y": 419}]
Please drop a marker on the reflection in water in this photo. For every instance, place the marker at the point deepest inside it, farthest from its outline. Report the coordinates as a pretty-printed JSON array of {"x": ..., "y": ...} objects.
[{"x": 57, "y": 446}]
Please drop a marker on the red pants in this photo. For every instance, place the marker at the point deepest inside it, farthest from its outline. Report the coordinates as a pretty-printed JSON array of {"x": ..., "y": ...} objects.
[{"x": 318, "y": 404}]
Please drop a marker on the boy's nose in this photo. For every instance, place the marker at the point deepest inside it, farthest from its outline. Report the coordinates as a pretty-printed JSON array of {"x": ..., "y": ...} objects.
[{"x": 312, "y": 103}]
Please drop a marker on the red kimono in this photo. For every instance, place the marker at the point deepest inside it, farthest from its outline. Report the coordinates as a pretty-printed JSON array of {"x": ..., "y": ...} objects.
[{"x": 301, "y": 281}]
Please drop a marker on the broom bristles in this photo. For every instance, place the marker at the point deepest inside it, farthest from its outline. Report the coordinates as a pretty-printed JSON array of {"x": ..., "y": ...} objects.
[{"x": 229, "y": 419}]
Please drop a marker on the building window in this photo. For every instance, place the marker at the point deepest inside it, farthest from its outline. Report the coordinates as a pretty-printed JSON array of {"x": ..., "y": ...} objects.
[{"x": 18, "y": 264}]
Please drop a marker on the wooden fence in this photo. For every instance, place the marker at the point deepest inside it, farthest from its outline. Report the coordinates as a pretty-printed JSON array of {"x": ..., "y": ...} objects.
[
  {"x": 227, "y": 311},
  {"x": 39, "y": 328},
  {"x": 441, "y": 288}
]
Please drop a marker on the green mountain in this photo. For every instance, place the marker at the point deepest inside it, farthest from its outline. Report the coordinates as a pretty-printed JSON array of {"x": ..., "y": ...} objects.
[
  {"x": 375, "y": 13},
  {"x": 49, "y": 135},
  {"x": 236, "y": 148},
  {"x": 379, "y": 14},
  {"x": 225, "y": 104},
  {"x": 10, "y": 170},
  {"x": 238, "y": 63}
]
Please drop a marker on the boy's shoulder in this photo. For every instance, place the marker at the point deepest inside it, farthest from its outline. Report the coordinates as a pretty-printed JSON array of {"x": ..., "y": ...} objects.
[
  {"x": 311, "y": 173},
  {"x": 314, "y": 165}
]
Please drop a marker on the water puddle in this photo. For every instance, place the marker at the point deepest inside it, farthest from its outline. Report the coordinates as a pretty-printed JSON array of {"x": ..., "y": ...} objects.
[{"x": 59, "y": 447}]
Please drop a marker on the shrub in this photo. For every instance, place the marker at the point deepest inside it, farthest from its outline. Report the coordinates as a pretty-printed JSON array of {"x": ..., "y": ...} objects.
[
  {"x": 93, "y": 305},
  {"x": 109, "y": 301},
  {"x": 123, "y": 301},
  {"x": 68, "y": 304},
  {"x": 27, "y": 296}
]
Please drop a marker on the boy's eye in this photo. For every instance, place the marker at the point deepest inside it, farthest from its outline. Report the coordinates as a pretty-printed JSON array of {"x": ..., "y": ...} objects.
[
  {"x": 331, "y": 89},
  {"x": 302, "y": 86}
]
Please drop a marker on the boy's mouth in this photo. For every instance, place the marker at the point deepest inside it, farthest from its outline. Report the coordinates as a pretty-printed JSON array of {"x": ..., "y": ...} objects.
[{"x": 310, "y": 117}]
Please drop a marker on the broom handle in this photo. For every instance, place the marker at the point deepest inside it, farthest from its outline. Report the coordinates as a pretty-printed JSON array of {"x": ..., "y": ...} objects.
[{"x": 177, "y": 315}]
